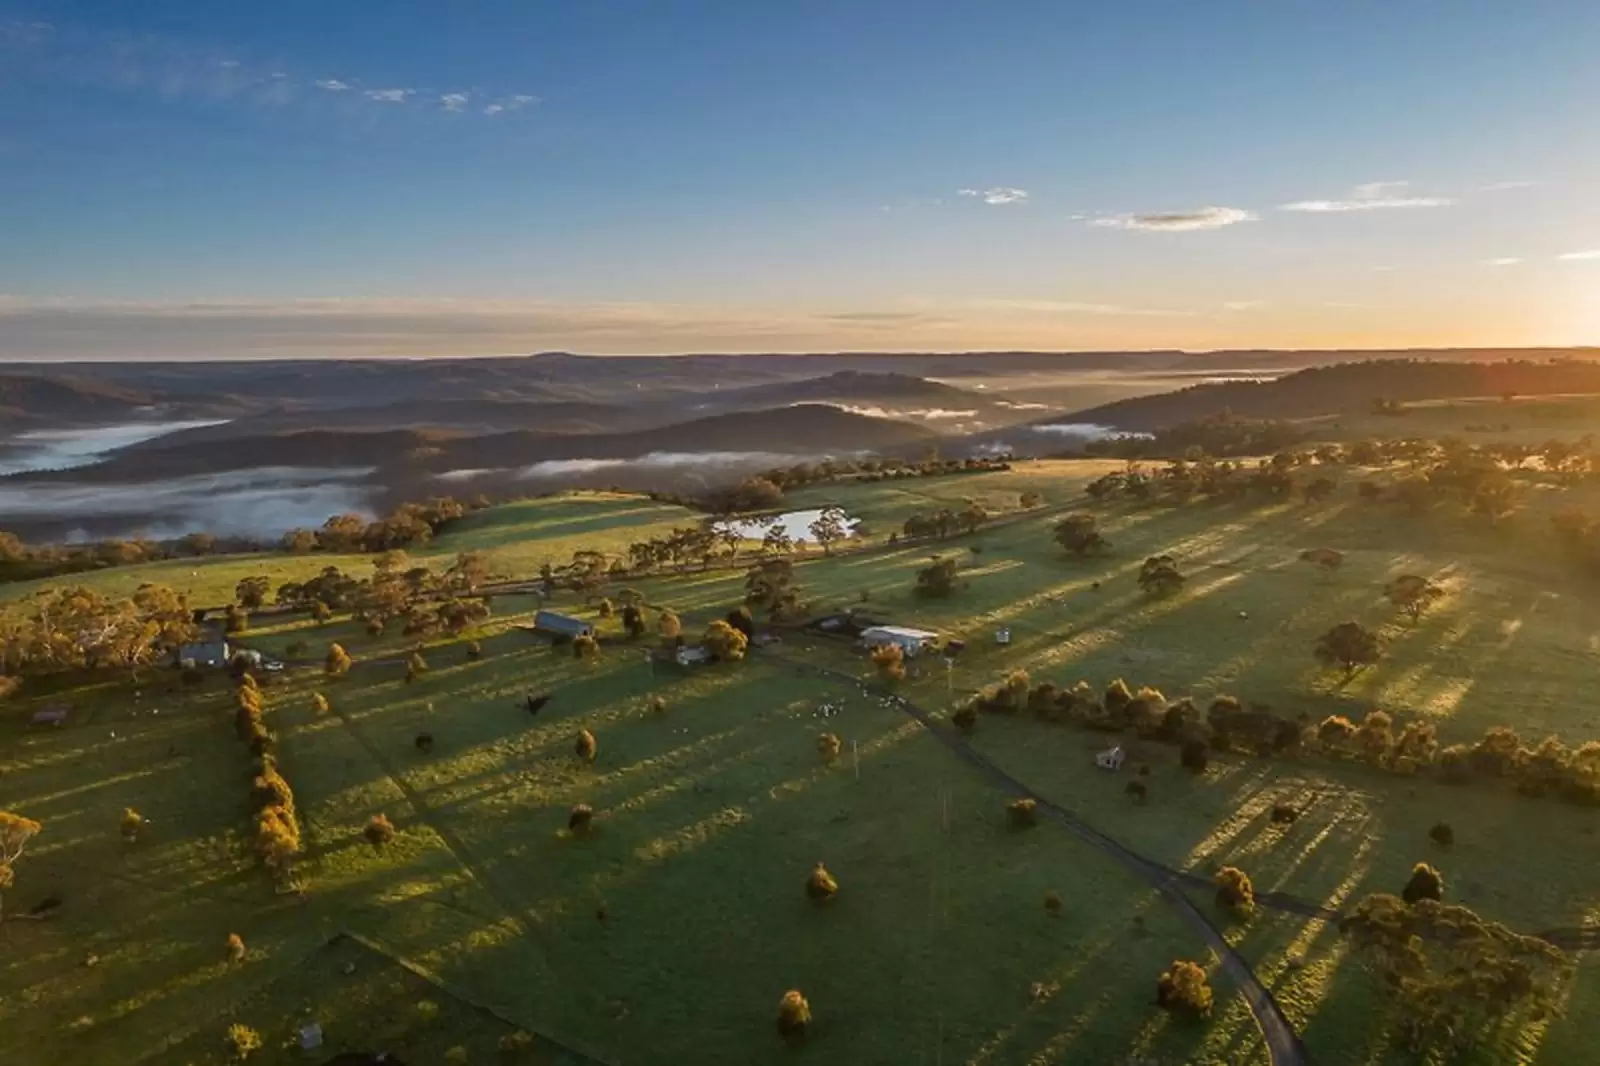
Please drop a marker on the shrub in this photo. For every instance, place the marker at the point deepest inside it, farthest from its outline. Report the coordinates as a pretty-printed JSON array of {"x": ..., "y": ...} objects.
[
  {"x": 668, "y": 624},
  {"x": 607, "y": 608},
  {"x": 456, "y": 1056},
  {"x": 1138, "y": 791},
  {"x": 965, "y": 718},
  {"x": 319, "y": 703},
  {"x": 1052, "y": 904},
  {"x": 1235, "y": 893},
  {"x": 794, "y": 1016},
  {"x": 585, "y": 647},
  {"x": 829, "y": 746},
  {"x": 379, "y": 830},
  {"x": 1194, "y": 756},
  {"x": 724, "y": 642},
  {"x": 242, "y": 1040},
  {"x": 1425, "y": 883},
  {"x": 585, "y": 746},
  {"x": 658, "y": 704},
  {"x": 416, "y": 666},
  {"x": 1442, "y": 835},
  {"x": 235, "y": 947},
  {"x": 474, "y": 653},
  {"x": 1183, "y": 989},
  {"x": 1283, "y": 814},
  {"x": 338, "y": 661},
  {"x": 516, "y": 1043},
  {"x": 890, "y": 661},
  {"x": 580, "y": 819},
  {"x": 1117, "y": 697},
  {"x": 1022, "y": 813},
  {"x": 132, "y": 822},
  {"x": 821, "y": 885}
]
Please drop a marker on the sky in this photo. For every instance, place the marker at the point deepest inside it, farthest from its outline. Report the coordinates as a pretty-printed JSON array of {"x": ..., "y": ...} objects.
[{"x": 205, "y": 180}]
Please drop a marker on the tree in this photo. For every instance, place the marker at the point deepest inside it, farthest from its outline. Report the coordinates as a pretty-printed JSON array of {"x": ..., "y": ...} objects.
[
  {"x": 320, "y": 612},
  {"x": 1023, "y": 813},
  {"x": 1030, "y": 500},
  {"x": 770, "y": 585},
  {"x": 1193, "y": 756},
  {"x": 379, "y": 830},
  {"x": 15, "y": 832},
  {"x": 937, "y": 579},
  {"x": 470, "y": 570},
  {"x": 1425, "y": 883},
  {"x": 132, "y": 822},
  {"x": 1412, "y": 594},
  {"x": 741, "y": 619},
  {"x": 338, "y": 662},
  {"x": 1079, "y": 534},
  {"x": 251, "y": 592},
  {"x": 1320, "y": 489},
  {"x": 586, "y": 747},
  {"x": 828, "y": 746},
  {"x": 1235, "y": 893},
  {"x": 821, "y": 886},
  {"x": 668, "y": 624},
  {"x": 828, "y": 528},
  {"x": 585, "y": 648},
  {"x": 633, "y": 621},
  {"x": 242, "y": 1040},
  {"x": 972, "y": 516},
  {"x": 724, "y": 642},
  {"x": 1159, "y": 576},
  {"x": 1374, "y": 738},
  {"x": 1324, "y": 559},
  {"x": 776, "y": 539},
  {"x": 1183, "y": 989},
  {"x": 580, "y": 819},
  {"x": 794, "y": 1015},
  {"x": 1349, "y": 645},
  {"x": 1442, "y": 834},
  {"x": 890, "y": 661},
  {"x": 1452, "y": 976},
  {"x": 416, "y": 666}
]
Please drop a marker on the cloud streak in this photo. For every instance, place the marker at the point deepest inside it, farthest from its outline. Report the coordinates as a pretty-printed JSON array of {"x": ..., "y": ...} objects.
[
  {"x": 333, "y": 85},
  {"x": 999, "y": 196},
  {"x": 1573, "y": 257},
  {"x": 1204, "y": 218},
  {"x": 389, "y": 96},
  {"x": 1372, "y": 196},
  {"x": 1503, "y": 261}
]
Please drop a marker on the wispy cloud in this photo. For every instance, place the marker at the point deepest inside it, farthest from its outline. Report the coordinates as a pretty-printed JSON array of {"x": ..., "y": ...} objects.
[
  {"x": 1243, "y": 305},
  {"x": 1592, "y": 253},
  {"x": 389, "y": 96},
  {"x": 1502, "y": 261},
  {"x": 1508, "y": 186},
  {"x": 1074, "y": 307},
  {"x": 999, "y": 196},
  {"x": 333, "y": 85},
  {"x": 911, "y": 204},
  {"x": 454, "y": 101},
  {"x": 1373, "y": 196},
  {"x": 1202, "y": 218},
  {"x": 511, "y": 103}
]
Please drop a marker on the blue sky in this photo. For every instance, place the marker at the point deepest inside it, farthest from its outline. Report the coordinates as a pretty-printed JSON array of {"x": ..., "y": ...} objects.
[{"x": 194, "y": 179}]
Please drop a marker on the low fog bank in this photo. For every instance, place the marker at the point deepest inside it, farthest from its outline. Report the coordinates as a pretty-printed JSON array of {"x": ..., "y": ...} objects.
[
  {"x": 262, "y": 502},
  {"x": 657, "y": 471},
  {"x": 66, "y": 449}
]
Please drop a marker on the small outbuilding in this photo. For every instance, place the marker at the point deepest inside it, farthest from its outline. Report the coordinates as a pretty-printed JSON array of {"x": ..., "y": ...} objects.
[
  {"x": 556, "y": 624},
  {"x": 213, "y": 652},
  {"x": 912, "y": 642},
  {"x": 52, "y": 716},
  {"x": 1111, "y": 759},
  {"x": 1002, "y": 635}
]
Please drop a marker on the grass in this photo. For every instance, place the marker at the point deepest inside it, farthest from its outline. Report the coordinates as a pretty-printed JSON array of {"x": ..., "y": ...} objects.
[{"x": 710, "y": 816}]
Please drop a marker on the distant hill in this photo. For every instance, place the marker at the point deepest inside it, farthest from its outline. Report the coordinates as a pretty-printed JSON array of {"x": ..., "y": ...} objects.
[
  {"x": 1344, "y": 387},
  {"x": 800, "y": 429}
]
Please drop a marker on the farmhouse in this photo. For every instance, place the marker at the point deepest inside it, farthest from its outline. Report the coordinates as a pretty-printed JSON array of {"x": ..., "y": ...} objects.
[
  {"x": 555, "y": 624},
  {"x": 911, "y": 641},
  {"x": 1111, "y": 759}
]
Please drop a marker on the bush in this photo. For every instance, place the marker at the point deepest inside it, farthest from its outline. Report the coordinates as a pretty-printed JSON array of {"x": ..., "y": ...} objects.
[
  {"x": 890, "y": 661},
  {"x": 242, "y": 1040},
  {"x": 965, "y": 718},
  {"x": 658, "y": 704},
  {"x": 794, "y": 1016},
  {"x": 516, "y": 1043},
  {"x": 456, "y": 1056},
  {"x": 132, "y": 822},
  {"x": 1022, "y": 813},
  {"x": 416, "y": 666},
  {"x": 379, "y": 830},
  {"x": 580, "y": 819},
  {"x": 829, "y": 746},
  {"x": 585, "y": 647},
  {"x": 474, "y": 651},
  {"x": 1235, "y": 893},
  {"x": 338, "y": 662},
  {"x": 1052, "y": 904},
  {"x": 586, "y": 747},
  {"x": 1183, "y": 989},
  {"x": 1425, "y": 883},
  {"x": 1117, "y": 697},
  {"x": 725, "y": 642},
  {"x": 821, "y": 885},
  {"x": 235, "y": 947},
  {"x": 1442, "y": 835},
  {"x": 606, "y": 608},
  {"x": 1194, "y": 756},
  {"x": 319, "y": 703}
]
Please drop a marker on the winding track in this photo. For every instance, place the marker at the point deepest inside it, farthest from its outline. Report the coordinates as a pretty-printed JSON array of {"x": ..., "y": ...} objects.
[{"x": 1283, "y": 1043}]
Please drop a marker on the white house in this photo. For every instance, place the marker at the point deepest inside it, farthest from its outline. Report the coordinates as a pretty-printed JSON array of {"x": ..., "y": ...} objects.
[
  {"x": 912, "y": 642},
  {"x": 1111, "y": 759}
]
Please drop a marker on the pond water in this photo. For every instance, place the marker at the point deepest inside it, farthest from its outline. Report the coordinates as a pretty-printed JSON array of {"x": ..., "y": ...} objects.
[{"x": 797, "y": 524}]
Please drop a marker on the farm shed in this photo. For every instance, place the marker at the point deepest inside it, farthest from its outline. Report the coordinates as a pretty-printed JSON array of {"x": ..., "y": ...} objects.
[
  {"x": 556, "y": 624},
  {"x": 911, "y": 641},
  {"x": 215, "y": 652}
]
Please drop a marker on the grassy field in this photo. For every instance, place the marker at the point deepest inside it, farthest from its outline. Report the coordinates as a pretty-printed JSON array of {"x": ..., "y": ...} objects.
[{"x": 710, "y": 815}]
